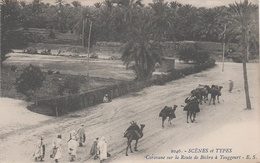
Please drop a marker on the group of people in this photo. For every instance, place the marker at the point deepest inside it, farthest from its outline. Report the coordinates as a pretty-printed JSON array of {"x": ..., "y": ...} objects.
[{"x": 76, "y": 139}]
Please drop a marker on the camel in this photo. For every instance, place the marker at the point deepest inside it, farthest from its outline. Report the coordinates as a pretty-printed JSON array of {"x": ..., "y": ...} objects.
[
  {"x": 215, "y": 91},
  {"x": 204, "y": 89},
  {"x": 197, "y": 94},
  {"x": 201, "y": 93},
  {"x": 192, "y": 108},
  {"x": 167, "y": 112},
  {"x": 133, "y": 134}
]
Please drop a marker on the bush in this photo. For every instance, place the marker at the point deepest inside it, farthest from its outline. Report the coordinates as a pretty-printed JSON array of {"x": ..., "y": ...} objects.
[
  {"x": 46, "y": 52},
  {"x": 29, "y": 81},
  {"x": 50, "y": 72},
  {"x": 14, "y": 68},
  {"x": 51, "y": 35},
  {"x": 93, "y": 55},
  {"x": 193, "y": 54},
  {"x": 71, "y": 85},
  {"x": 237, "y": 59},
  {"x": 31, "y": 51}
]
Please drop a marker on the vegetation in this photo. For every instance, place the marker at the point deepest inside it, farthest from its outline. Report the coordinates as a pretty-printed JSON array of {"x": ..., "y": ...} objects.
[
  {"x": 29, "y": 81},
  {"x": 172, "y": 21},
  {"x": 70, "y": 86},
  {"x": 193, "y": 54},
  {"x": 243, "y": 14},
  {"x": 123, "y": 21}
]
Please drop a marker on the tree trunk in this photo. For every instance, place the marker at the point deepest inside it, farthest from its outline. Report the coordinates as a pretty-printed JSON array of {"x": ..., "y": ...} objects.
[{"x": 244, "y": 51}]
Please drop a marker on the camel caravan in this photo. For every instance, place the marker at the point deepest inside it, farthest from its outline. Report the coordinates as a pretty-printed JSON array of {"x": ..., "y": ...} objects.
[
  {"x": 201, "y": 93},
  {"x": 196, "y": 97},
  {"x": 133, "y": 132}
]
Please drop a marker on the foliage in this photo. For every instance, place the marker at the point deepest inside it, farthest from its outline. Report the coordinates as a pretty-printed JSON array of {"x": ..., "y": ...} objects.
[
  {"x": 29, "y": 81},
  {"x": 93, "y": 55},
  {"x": 193, "y": 54},
  {"x": 242, "y": 17},
  {"x": 10, "y": 36},
  {"x": 71, "y": 85},
  {"x": 172, "y": 21},
  {"x": 51, "y": 35},
  {"x": 31, "y": 51},
  {"x": 140, "y": 52}
]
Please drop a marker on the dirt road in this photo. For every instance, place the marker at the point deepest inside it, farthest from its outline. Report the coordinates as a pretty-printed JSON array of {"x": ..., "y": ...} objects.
[{"x": 224, "y": 125}]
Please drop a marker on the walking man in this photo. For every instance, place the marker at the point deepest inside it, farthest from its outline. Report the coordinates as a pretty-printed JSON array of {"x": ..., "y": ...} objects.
[
  {"x": 39, "y": 150},
  {"x": 56, "y": 150},
  {"x": 72, "y": 146},
  {"x": 82, "y": 136},
  {"x": 102, "y": 146},
  {"x": 231, "y": 85}
]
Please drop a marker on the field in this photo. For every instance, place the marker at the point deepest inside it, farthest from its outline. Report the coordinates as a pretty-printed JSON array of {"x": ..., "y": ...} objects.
[
  {"x": 226, "y": 125},
  {"x": 102, "y": 72}
]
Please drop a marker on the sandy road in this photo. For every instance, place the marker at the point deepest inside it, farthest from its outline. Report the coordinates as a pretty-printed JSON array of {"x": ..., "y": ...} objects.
[{"x": 224, "y": 125}]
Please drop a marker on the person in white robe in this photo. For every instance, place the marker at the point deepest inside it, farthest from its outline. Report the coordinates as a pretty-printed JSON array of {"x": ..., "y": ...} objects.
[
  {"x": 81, "y": 135},
  {"x": 102, "y": 146},
  {"x": 72, "y": 146},
  {"x": 57, "y": 150},
  {"x": 39, "y": 150}
]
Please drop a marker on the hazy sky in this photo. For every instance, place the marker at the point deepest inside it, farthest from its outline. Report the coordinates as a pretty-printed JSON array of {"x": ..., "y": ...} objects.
[{"x": 196, "y": 3}]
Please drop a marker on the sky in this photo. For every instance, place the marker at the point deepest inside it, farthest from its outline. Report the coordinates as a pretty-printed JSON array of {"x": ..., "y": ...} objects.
[{"x": 196, "y": 3}]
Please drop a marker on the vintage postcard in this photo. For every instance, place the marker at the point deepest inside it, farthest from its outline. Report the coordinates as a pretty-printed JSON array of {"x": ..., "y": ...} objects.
[{"x": 133, "y": 81}]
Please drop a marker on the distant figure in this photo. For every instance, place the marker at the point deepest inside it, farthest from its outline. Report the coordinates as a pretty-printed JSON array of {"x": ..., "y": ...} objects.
[
  {"x": 59, "y": 51},
  {"x": 102, "y": 146},
  {"x": 231, "y": 85},
  {"x": 94, "y": 150},
  {"x": 106, "y": 99},
  {"x": 82, "y": 136},
  {"x": 72, "y": 146},
  {"x": 56, "y": 150},
  {"x": 39, "y": 152}
]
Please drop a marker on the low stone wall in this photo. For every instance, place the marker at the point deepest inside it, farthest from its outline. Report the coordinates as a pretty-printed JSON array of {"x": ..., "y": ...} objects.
[{"x": 63, "y": 105}]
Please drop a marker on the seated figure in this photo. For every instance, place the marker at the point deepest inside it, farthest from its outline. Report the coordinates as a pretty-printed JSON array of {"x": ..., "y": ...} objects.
[{"x": 106, "y": 99}]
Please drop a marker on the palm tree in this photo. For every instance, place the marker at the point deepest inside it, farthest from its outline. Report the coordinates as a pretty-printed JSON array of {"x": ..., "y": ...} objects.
[
  {"x": 185, "y": 21},
  {"x": 161, "y": 17},
  {"x": 76, "y": 4},
  {"x": 242, "y": 18},
  {"x": 140, "y": 49},
  {"x": 98, "y": 5},
  {"x": 208, "y": 26},
  {"x": 128, "y": 6}
]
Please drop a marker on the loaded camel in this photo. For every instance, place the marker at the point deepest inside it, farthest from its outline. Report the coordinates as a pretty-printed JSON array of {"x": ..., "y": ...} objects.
[
  {"x": 215, "y": 91},
  {"x": 192, "y": 107},
  {"x": 167, "y": 112},
  {"x": 133, "y": 133},
  {"x": 201, "y": 93}
]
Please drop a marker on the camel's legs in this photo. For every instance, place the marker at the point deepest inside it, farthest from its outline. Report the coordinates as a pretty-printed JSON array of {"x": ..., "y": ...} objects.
[
  {"x": 128, "y": 146},
  {"x": 163, "y": 119},
  {"x": 136, "y": 144},
  {"x": 194, "y": 116},
  {"x": 191, "y": 117},
  {"x": 127, "y": 149},
  {"x": 187, "y": 116},
  {"x": 170, "y": 120}
]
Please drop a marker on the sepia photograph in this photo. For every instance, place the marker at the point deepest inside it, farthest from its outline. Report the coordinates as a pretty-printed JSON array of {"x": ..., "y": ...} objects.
[{"x": 129, "y": 81}]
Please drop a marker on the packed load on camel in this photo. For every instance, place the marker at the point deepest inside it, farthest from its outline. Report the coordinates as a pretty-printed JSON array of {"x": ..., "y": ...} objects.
[{"x": 135, "y": 128}]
